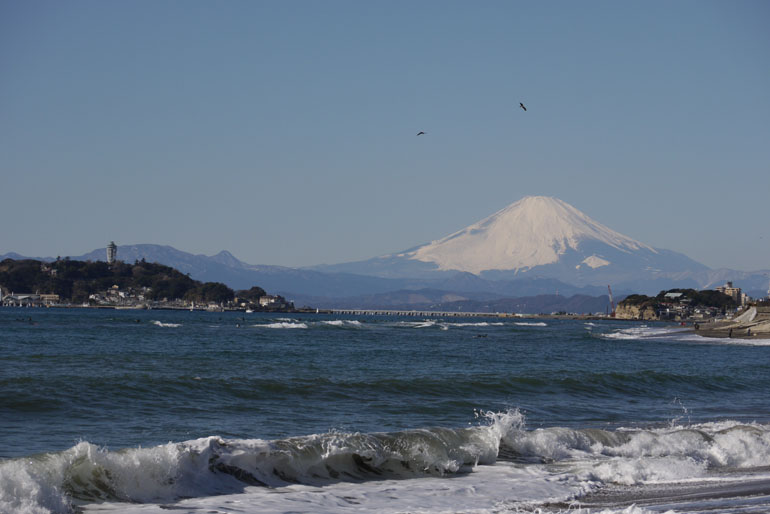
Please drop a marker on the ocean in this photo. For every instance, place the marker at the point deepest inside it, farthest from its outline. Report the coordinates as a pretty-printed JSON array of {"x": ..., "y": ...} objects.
[{"x": 158, "y": 411}]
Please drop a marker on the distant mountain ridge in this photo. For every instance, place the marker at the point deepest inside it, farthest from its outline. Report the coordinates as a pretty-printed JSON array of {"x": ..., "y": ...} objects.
[
  {"x": 545, "y": 237},
  {"x": 340, "y": 289},
  {"x": 536, "y": 246},
  {"x": 226, "y": 268}
]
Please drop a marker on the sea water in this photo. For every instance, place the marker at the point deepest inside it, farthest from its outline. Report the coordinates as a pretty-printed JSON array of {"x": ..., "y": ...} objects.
[{"x": 151, "y": 411}]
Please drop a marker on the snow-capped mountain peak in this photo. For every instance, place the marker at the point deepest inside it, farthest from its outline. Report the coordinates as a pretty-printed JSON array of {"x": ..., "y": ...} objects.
[{"x": 534, "y": 231}]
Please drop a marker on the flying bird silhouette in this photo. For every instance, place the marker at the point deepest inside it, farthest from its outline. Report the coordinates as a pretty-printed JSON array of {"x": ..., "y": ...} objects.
[
  {"x": 420, "y": 133},
  {"x": 522, "y": 106}
]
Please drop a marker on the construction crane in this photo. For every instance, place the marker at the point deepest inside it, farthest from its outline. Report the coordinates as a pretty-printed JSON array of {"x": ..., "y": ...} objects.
[{"x": 612, "y": 304}]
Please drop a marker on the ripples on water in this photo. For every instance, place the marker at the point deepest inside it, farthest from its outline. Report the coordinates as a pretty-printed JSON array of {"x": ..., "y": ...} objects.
[{"x": 561, "y": 408}]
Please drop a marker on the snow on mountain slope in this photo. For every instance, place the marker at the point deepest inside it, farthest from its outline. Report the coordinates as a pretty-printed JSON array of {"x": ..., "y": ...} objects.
[{"x": 534, "y": 231}]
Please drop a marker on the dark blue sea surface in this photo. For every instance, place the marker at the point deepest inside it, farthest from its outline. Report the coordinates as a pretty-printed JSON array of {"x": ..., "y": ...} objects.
[
  {"x": 130, "y": 378},
  {"x": 144, "y": 411}
]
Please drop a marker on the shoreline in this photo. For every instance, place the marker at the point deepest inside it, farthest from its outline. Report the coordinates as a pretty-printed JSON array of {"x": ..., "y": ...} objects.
[
  {"x": 753, "y": 323},
  {"x": 756, "y": 326}
]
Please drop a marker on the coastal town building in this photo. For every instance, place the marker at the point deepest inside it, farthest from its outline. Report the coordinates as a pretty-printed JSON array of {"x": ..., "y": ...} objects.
[
  {"x": 45, "y": 268},
  {"x": 269, "y": 301},
  {"x": 29, "y": 300},
  {"x": 734, "y": 292},
  {"x": 272, "y": 302},
  {"x": 49, "y": 299}
]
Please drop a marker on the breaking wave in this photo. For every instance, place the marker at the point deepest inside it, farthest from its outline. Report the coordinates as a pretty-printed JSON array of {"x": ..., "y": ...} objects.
[
  {"x": 342, "y": 323},
  {"x": 679, "y": 334},
  {"x": 168, "y": 325},
  {"x": 214, "y": 465},
  {"x": 281, "y": 324}
]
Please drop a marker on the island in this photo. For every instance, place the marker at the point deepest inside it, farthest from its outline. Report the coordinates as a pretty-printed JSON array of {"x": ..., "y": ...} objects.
[{"x": 120, "y": 285}]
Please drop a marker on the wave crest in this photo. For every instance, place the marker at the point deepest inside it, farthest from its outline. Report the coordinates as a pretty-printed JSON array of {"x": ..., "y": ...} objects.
[
  {"x": 213, "y": 465},
  {"x": 282, "y": 324},
  {"x": 166, "y": 325}
]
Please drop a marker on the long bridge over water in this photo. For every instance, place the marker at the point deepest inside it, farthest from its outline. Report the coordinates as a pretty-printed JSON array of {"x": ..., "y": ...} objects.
[
  {"x": 423, "y": 314},
  {"x": 456, "y": 314}
]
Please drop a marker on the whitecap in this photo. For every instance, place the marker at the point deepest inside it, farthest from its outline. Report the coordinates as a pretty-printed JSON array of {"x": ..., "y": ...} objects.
[
  {"x": 644, "y": 332},
  {"x": 169, "y": 325},
  {"x": 342, "y": 323},
  {"x": 281, "y": 325},
  {"x": 218, "y": 474},
  {"x": 477, "y": 324}
]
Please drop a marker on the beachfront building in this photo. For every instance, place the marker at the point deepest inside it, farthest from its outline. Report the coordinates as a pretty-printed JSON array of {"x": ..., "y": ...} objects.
[
  {"x": 21, "y": 300},
  {"x": 734, "y": 293},
  {"x": 29, "y": 300},
  {"x": 49, "y": 299},
  {"x": 270, "y": 302}
]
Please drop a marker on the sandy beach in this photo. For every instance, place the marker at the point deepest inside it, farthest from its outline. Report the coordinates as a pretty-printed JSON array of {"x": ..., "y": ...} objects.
[{"x": 753, "y": 323}]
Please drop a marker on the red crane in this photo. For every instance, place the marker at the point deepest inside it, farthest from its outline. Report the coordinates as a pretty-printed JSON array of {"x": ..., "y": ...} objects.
[{"x": 612, "y": 304}]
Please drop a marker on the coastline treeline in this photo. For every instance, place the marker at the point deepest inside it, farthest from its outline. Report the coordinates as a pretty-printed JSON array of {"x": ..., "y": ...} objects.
[
  {"x": 77, "y": 280},
  {"x": 705, "y": 298}
]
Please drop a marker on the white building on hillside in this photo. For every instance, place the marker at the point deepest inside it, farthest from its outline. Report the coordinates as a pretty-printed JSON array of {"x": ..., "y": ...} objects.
[{"x": 733, "y": 292}]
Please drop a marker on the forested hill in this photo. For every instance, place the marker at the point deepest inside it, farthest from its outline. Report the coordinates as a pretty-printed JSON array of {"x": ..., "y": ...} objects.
[
  {"x": 76, "y": 280},
  {"x": 705, "y": 298}
]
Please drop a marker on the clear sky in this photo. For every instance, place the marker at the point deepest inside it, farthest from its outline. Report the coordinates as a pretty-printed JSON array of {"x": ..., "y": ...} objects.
[{"x": 285, "y": 131}]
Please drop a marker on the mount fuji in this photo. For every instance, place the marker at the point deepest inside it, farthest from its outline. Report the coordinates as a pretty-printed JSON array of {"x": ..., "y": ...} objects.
[
  {"x": 536, "y": 246},
  {"x": 537, "y": 236}
]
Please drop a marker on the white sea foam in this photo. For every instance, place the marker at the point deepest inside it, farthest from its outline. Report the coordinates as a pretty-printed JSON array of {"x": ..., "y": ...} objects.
[
  {"x": 168, "y": 325},
  {"x": 483, "y": 491},
  {"x": 530, "y": 323},
  {"x": 646, "y": 456},
  {"x": 692, "y": 337},
  {"x": 445, "y": 325},
  {"x": 281, "y": 324},
  {"x": 428, "y": 323},
  {"x": 576, "y": 508},
  {"x": 679, "y": 334},
  {"x": 479, "y": 324},
  {"x": 383, "y": 472},
  {"x": 644, "y": 332},
  {"x": 342, "y": 323}
]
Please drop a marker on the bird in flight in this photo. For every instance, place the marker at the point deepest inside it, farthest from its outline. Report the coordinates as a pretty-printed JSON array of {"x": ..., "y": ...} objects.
[
  {"x": 522, "y": 106},
  {"x": 420, "y": 133}
]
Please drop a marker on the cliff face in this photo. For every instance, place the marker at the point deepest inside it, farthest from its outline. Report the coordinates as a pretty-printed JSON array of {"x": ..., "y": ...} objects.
[{"x": 624, "y": 311}]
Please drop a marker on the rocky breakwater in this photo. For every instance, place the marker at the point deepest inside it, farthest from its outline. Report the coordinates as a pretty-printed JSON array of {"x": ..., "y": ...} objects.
[{"x": 753, "y": 323}]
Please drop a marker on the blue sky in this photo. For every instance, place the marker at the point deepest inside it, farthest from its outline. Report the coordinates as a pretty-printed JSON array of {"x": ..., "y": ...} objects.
[{"x": 284, "y": 132}]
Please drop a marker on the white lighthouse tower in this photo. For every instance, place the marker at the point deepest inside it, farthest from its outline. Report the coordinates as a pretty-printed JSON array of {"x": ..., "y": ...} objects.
[{"x": 112, "y": 252}]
